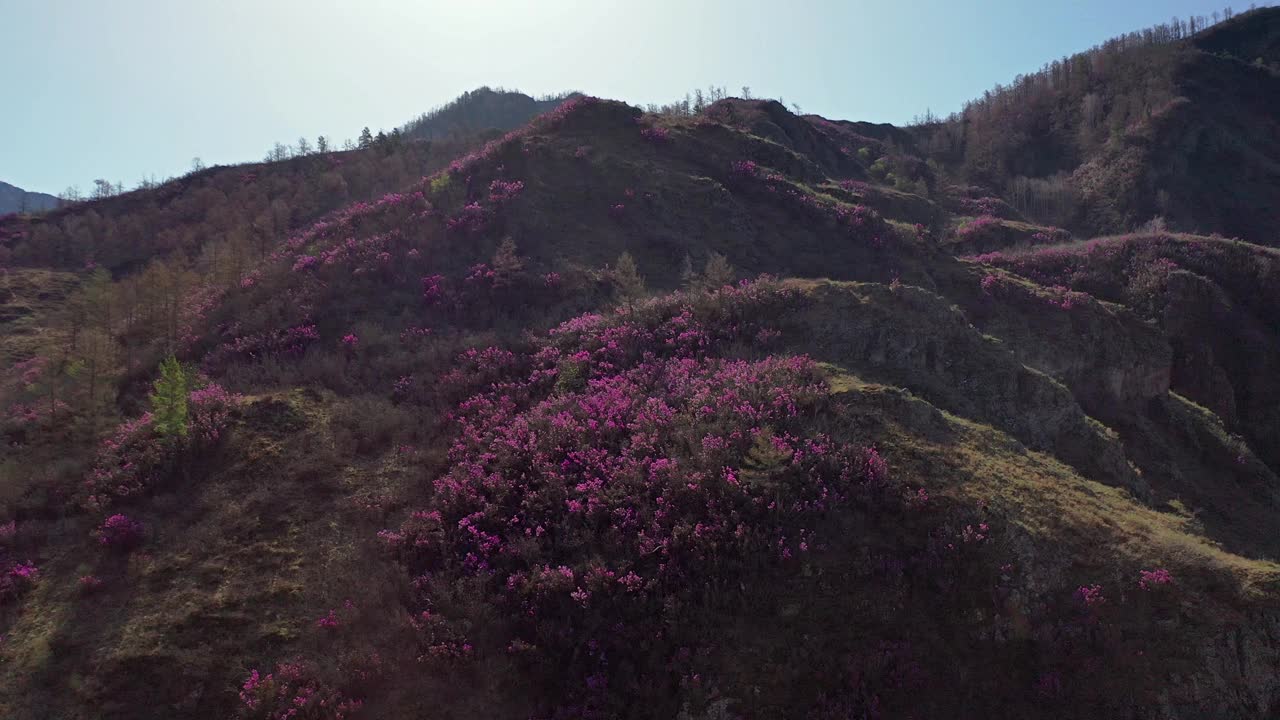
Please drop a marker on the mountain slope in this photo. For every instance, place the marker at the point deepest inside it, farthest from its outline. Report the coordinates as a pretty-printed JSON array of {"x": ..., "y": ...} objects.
[
  {"x": 472, "y": 470},
  {"x": 1162, "y": 123},
  {"x": 740, "y": 414},
  {"x": 15, "y": 199}
]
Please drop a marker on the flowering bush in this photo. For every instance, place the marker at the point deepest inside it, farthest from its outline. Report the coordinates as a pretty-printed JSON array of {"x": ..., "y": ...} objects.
[
  {"x": 292, "y": 693},
  {"x": 1090, "y": 596},
  {"x": 432, "y": 289},
  {"x": 503, "y": 191},
  {"x": 19, "y": 578},
  {"x": 656, "y": 135},
  {"x": 605, "y": 475},
  {"x": 127, "y": 462},
  {"x": 120, "y": 532},
  {"x": 89, "y": 584},
  {"x": 1151, "y": 579},
  {"x": 978, "y": 226},
  {"x": 134, "y": 456},
  {"x": 209, "y": 413},
  {"x": 289, "y": 342}
]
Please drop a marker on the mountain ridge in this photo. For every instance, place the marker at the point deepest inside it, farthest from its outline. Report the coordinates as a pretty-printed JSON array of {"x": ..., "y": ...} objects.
[{"x": 14, "y": 199}]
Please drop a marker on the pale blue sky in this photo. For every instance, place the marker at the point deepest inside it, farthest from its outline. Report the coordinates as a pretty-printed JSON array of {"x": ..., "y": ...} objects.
[{"x": 121, "y": 89}]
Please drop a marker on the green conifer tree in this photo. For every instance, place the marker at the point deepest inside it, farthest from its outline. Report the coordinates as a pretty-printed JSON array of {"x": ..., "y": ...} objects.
[{"x": 169, "y": 400}]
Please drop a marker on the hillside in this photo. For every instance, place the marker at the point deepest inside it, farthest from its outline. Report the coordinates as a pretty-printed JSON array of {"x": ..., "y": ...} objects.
[
  {"x": 15, "y": 199},
  {"x": 1165, "y": 123},
  {"x": 737, "y": 414}
]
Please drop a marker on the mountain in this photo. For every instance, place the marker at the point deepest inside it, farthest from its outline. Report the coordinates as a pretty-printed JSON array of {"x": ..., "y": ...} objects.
[
  {"x": 481, "y": 109},
  {"x": 738, "y": 413},
  {"x": 1165, "y": 123},
  {"x": 15, "y": 199}
]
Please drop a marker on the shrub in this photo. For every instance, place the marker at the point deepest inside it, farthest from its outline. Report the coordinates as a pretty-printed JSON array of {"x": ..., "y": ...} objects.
[
  {"x": 656, "y": 135},
  {"x": 135, "y": 455},
  {"x": 1151, "y": 579},
  {"x": 292, "y": 692},
  {"x": 600, "y": 479},
  {"x": 120, "y": 532},
  {"x": 17, "y": 580}
]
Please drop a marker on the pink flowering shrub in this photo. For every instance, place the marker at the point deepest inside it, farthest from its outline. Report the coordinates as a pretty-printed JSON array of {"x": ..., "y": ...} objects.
[
  {"x": 290, "y": 342},
  {"x": 17, "y": 580},
  {"x": 746, "y": 168},
  {"x": 503, "y": 191},
  {"x": 473, "y": 218},
  {"x": 598, "y": 479},
  {"x": 981, "y": 225},
  {"x": 128, "y": 461},
  {"x": 89, "y": 584},
  {"x": 432, "y": 289},
  {"x": 656, "y": 135},
  {"x": 1065, "y": 298},
  {"x": 292, "y": 692},
  {"x": 1090, "y": 596},
  {"x": 989, "y": 283},
  {"x": 1151, "y": 579},
  {"x": 208, "y": 414},
  {"x": 120, "y": 532},
  {"x": 863, "y": 224},
  {"x": 350, "y": 341},
  {"x": 133, "y": 457}
]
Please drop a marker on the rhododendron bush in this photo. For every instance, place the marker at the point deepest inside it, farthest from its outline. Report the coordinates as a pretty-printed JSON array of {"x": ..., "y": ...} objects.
[
  {"x": 615, "y": 476},
  {"x": 134, "y": 457},
  {"x": 292, "y": 693}
]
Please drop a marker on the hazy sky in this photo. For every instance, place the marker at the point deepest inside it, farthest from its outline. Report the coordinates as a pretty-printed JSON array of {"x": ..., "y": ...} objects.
[{"x": 122, "y": 89}]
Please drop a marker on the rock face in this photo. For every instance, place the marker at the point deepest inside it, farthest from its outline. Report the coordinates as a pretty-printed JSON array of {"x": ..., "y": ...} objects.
[{"x": 914, "y": 339}]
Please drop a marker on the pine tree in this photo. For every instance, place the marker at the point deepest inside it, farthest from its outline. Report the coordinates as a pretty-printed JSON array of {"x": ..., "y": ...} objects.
[
  {"x": 628, "y": 286},
  {"x": 366, "y": 138},
  {"x": 169, "y": 400}
]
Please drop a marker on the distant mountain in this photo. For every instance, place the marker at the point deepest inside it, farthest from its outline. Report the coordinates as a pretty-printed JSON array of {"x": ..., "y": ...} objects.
[
  {"x": 15, "y": 199},
  {"x": 479, "y": 110}
]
